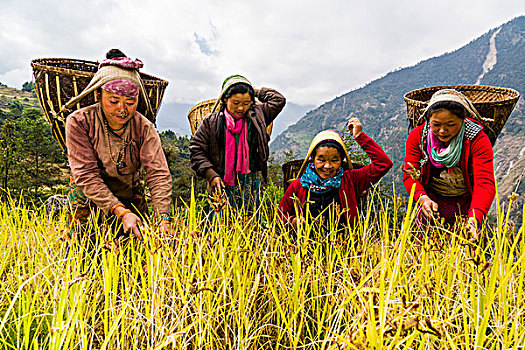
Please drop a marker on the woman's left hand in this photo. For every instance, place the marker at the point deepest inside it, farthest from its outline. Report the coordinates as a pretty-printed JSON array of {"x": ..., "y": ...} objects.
[
  {"x": 165, "y": 229},
  {"x": 355, "y": 126}
]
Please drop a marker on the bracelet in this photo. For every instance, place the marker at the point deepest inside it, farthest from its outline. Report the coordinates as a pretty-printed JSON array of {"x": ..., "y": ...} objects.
[
  {"x": 122, "y": 213},
  {"x": 112, "y": 210},
  {"x": 165, "y": 217}
]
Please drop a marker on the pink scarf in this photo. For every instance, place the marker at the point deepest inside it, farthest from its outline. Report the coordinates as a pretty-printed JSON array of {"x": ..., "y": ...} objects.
[
  {"x": 235, "y": 126},
  {"x": 122, "y": 87},
  {"x": 434, "y": 143}
]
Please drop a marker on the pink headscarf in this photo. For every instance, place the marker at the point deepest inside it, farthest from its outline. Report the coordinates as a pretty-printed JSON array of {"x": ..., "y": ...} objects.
[
  {"x": 123, "y": 62},
  {"x": 236, "y": 126},
  {"x": 122, "y": 87}
]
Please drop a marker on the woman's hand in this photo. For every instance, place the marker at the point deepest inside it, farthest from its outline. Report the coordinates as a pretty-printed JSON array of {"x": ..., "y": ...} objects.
[
  {"x": 166, "y": 231},
  {"x": 355, "y": 126},
  {"x": 296, "y": 220},
  {"x": 217, "y": 184},
  {"x": 131, "y": 223},
  {"x": 472, "y": 228},
  {"x": 429, "y": 207},
  {"x": 165, "y": 228}
]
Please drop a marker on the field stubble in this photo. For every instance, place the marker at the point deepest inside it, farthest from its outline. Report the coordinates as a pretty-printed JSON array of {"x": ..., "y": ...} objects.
[{"x": 242, "y": 284}]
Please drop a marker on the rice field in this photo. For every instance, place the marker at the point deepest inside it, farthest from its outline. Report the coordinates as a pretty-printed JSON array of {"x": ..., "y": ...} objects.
[{"x": 239, "y": 282}]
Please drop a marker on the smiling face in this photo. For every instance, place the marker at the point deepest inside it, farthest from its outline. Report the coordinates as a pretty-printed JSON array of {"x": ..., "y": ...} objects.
[
  {"x": 445, "y": 125},
  {"x": 238, "y": 104},
  {"x": 117, "y": 109},
  {"x": 327, "y": 161}
]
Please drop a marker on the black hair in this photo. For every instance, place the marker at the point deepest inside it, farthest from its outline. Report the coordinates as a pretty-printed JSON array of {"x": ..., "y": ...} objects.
[
  {"x": 239, "y": 88},
  {"x": 451, "y": 106},
  {"x": 330, "y": 144},
  {"x": 115, "y": 53}
]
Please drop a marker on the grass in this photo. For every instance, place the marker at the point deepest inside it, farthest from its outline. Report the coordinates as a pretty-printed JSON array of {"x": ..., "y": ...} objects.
[{"x": 241, "y": 284}]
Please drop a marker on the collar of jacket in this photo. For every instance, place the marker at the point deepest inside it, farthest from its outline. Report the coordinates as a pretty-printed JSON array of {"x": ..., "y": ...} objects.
[{"x": 472, "y": 130}]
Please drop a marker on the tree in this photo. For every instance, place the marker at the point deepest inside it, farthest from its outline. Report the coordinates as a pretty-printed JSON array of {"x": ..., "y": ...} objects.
[
  {"x": 28, "y": 154},
  {"x": 357, "y": 155},
  {"x": 38, "y": 150},
  {"x": 8, "y": 152},
  {"x": 27, "y": 86},
  {"x": 16, "y": 109},
  {"x": 177, "y": 152}
]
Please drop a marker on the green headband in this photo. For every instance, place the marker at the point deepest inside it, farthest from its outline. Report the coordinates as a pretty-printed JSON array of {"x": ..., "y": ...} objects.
[{"x": 229, "y": 82}]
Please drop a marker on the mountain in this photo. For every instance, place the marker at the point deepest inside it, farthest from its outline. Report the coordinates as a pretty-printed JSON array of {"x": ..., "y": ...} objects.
[
  {"x": 289, "y": 115},
  {"x": 496, "y": 58},
  {"x": 12, "y": 101}
]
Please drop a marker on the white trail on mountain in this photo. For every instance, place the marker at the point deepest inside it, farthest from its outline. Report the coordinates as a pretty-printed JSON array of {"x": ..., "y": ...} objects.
[
  {"x": 510, "y": 168},
  {"x": 492, "y": 57}
]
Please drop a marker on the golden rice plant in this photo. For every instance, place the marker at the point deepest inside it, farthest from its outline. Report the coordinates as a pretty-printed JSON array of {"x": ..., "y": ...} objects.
[{"x": 236, "y": 280}]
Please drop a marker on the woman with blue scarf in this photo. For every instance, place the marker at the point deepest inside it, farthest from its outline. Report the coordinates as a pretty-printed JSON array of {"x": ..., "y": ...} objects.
[
  {"x": 449, "y": 161},
  {"x": 327, "y": 178}
]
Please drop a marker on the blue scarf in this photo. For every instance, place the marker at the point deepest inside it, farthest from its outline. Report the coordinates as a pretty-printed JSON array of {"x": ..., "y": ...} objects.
[{"x": 314, "y": 183}]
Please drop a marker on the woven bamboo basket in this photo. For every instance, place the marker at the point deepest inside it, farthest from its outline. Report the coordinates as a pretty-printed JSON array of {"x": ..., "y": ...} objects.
[
  {"x": 492, "y": 102},
  {"x": 57, "y": 80},
  {"x": 290, "y": 171},
  {"x": 198, "y": 112}
]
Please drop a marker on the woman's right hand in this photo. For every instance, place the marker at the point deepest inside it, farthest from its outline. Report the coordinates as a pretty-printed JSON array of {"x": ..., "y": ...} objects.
[
  {"x": 217, "y": 184},
  {"x": 429, "y": 207},
  {"x": 296, "y": 220},
  {"x": 130, "y": 222}
]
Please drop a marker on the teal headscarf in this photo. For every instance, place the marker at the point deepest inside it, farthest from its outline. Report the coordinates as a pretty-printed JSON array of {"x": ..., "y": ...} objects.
[{"x": 311, "y": 180}]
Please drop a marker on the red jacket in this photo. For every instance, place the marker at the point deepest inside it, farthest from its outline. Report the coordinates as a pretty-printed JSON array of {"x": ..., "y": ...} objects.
[
  {"x": 476, "y": 164},
  {"x": 354, "y": 183}
]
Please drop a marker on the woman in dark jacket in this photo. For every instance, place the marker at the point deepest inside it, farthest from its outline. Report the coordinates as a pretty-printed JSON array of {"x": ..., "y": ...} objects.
[{"x": 230, "y": 147}]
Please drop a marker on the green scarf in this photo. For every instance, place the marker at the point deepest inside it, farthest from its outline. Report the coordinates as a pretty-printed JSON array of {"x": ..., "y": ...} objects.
[{"x": 449, "y": 156}]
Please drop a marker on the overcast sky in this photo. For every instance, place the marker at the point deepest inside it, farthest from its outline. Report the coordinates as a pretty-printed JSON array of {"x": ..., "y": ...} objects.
[{"x": 312, "y": 51}]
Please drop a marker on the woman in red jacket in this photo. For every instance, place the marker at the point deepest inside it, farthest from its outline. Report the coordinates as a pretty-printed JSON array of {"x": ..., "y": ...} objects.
[
  {"x": 324, "y": 182},
  {"x": 455, "y": 160}
]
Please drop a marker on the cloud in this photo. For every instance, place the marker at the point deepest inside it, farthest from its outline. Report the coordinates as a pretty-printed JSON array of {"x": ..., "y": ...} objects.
[{"x": 309, "y": 50}]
